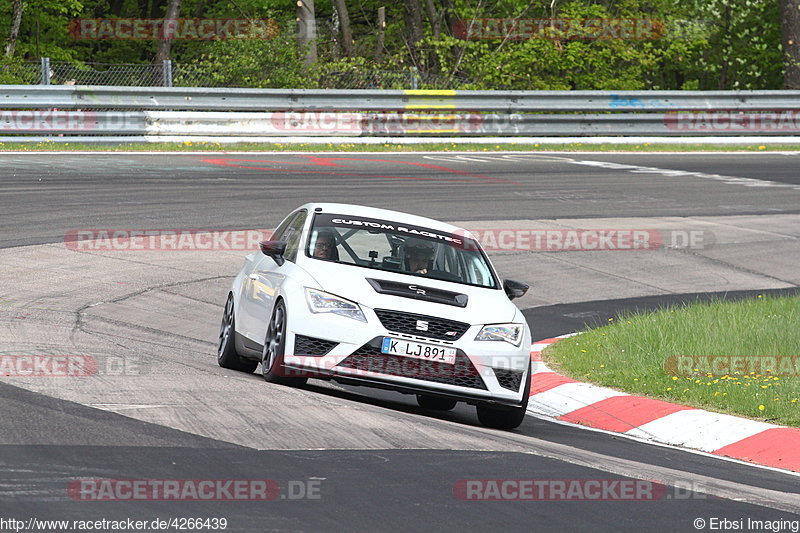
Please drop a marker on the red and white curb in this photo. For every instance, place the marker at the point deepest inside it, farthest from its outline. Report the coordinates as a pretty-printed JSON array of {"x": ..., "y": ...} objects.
[{"x": 559, "y": 397}]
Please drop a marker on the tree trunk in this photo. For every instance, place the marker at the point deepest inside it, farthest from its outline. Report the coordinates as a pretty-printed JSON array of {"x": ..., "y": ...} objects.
[
  {"x": 344, "y": 26},
  {"x": 434, "y": 18},
  {"x": 726, "y": 51},
  {"x": 436, "y": 30},
  {"x": 155, "y": 8},
  {"x": 414, "y": 34},
  {"x": 790, "y": 39},
  {"x": 381, "y": 34},
  {"x": 116, "y": 8},
  {"x": 16, "y": 20},
  {"x": 449, "y": 15},
  {"x": 165, "y": 42},
  {"x": 307, "y": 29}
]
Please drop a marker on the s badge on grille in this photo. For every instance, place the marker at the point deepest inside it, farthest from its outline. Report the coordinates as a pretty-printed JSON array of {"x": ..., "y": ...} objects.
[{"x": 422, "y": 325}]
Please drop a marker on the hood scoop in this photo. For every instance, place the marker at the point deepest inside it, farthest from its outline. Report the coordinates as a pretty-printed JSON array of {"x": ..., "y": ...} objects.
[{"x": 418, "y": 292}]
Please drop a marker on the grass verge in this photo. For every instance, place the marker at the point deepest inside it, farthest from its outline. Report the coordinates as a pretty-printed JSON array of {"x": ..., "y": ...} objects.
[
  {"x": 740, "y": 358},
  {"x": 190, "y": 146}
]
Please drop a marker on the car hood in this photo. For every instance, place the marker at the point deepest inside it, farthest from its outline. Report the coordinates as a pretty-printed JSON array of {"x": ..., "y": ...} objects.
[{"x": 484, "y": 306}]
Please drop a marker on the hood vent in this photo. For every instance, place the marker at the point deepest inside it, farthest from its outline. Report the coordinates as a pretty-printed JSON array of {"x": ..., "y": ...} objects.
[{"x": 418, "y": 292}]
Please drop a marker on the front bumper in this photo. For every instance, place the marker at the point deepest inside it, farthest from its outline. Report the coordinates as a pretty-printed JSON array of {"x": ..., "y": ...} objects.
[{"x": 348, "y": 350}]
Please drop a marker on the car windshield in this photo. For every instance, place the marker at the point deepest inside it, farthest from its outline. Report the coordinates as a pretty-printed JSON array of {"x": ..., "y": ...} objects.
[{"x": 397, "y": 247}]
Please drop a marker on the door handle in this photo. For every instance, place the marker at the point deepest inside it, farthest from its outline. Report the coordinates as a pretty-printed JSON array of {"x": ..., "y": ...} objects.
[{"x": 254, "y": 277}]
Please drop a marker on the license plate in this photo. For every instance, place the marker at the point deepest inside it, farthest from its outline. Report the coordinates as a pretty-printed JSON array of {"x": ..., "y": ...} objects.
[{"x": 417, "y": 350}]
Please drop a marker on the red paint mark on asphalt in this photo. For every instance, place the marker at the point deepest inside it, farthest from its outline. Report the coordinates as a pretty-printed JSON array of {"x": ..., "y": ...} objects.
[{"x": 332, "y": 162}]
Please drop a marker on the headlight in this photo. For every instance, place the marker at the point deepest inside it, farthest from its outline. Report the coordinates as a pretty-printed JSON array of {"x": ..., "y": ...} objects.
[
  {"x": 322, "y": 302},
  {"x": 510, "y": 333}
]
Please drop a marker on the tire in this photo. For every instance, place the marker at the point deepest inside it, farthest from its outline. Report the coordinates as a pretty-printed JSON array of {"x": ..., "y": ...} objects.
[
  {"x": 434, "y": 403},
  {"x": 226, "y": 348},
  {"x": 274, "y": 349},
  {"x": 505, "y": 417}
]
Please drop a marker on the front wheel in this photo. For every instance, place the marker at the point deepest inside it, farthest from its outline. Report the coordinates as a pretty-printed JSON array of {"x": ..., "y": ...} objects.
[
  {"x": 274, "y": 349},
  {"x": 227, "y": 357},
  {"x": 505, "y": 417}
]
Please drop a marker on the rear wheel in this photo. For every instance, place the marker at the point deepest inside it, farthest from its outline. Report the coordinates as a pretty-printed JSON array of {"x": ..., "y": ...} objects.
[
  {"x": 434, "y": 403},
  {"x": 226, "y": 349},
  {"x": 274, "y": 349},
  {"x": 503, "y": 417}
]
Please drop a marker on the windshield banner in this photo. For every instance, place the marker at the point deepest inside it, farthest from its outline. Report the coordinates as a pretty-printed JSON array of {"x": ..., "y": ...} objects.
[{"x": 386, "y": 226}]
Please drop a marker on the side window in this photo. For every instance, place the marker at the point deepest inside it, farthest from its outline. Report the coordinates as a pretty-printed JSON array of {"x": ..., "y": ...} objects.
[
  {"x": 293, "y": 235},
  {"x": 281, "y": 230},
  {"x": 478, "y": 272}
]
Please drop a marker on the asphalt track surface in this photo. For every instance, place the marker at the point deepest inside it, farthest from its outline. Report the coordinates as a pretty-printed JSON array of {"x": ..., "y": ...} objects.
[
  {"x": 45, "y": 194},
  {"x": 380, "y": 462}
]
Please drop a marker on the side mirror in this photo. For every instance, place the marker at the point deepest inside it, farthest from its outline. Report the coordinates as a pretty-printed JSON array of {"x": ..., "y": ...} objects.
[
  {"x": 514, "y": 289},
  {"x": 274, "y": 249}
]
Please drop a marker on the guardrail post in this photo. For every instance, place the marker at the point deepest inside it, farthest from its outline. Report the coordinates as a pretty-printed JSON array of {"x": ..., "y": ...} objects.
[
  {"x": 166, "y": 72},
  {"x": 414, "y": 75},
  {"x": 45, "y": 71}
]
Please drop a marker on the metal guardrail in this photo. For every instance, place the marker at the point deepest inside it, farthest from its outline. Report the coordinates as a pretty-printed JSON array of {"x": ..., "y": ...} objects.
[
  {"x": 154, "y": 111},
  {"x": 348, "y": 124},
  {"x": 203, "y": 99}
]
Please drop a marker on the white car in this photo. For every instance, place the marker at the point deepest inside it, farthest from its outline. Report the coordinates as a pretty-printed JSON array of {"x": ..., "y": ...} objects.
[{"x": 372, "y": 297}]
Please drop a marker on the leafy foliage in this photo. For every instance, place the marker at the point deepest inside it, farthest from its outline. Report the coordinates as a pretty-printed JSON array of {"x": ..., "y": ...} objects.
[{"x": 705, "y": 44}]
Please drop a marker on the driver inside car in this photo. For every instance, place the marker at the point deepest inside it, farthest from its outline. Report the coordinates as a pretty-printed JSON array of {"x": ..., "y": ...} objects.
[
  {"x": 325, "y": 246},
  {"x": 418, "y": 255}
]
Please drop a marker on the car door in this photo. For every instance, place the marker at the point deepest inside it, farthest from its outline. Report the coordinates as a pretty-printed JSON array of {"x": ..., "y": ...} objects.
[{"x": 263, "y": 282}]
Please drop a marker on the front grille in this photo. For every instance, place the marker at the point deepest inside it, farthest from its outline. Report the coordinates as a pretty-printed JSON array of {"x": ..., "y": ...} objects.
[
  {"x": 369, "y": 358},
  {"x": 437, "y": 328},
  {"x": 311, "y": 346},
  {"x": 508, "y": 379}
]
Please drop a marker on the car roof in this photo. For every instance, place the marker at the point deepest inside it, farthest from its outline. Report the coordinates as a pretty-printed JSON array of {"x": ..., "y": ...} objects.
[{"x": 383, "y": 214}]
